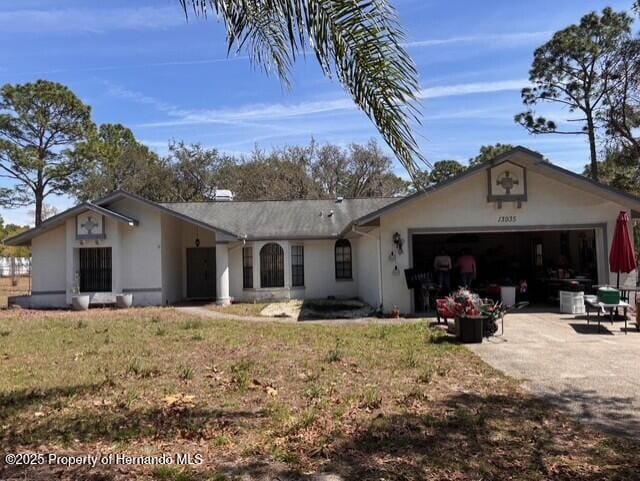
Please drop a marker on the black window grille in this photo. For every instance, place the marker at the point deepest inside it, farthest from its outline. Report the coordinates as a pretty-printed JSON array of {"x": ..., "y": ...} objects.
[
  {"x": 271, "y": 265},
  {"x": 247, "y": 267},
  {"x": 297, "y": 266},
  {"x": 95, "y": 269},
  {"x": 343, "y": 259}
]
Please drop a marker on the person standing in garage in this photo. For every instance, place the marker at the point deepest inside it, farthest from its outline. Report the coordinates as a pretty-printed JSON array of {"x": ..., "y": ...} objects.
[
  {"x": 442, "y": 265},
  {"x": 467, "y": 266}
]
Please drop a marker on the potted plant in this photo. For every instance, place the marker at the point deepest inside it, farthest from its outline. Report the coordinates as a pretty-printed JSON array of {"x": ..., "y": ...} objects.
[
  {"x": 124, "y": 301},
  {"x": 79, "y": 301},
  {"x": 467, "y": 308}
]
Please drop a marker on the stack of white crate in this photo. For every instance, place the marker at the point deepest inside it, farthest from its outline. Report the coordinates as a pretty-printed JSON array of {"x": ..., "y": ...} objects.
[{"x": 572, "y": 302}]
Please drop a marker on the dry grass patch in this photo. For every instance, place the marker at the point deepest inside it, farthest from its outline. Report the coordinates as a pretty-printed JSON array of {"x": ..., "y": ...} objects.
[
  {"x": 248, "y": 309},
  {"x": 395, "y": 402}
]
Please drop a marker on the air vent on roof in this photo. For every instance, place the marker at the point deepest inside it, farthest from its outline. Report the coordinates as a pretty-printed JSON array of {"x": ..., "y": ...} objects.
[{"x": 222, "y": 195}]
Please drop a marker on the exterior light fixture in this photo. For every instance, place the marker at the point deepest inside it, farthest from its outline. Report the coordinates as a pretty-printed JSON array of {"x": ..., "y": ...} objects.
[{"x": 398, "y": 242}]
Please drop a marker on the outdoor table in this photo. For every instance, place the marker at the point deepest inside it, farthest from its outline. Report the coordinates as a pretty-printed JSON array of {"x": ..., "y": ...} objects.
[
  {"x": 626, "y": 291},
  {"x": 592, "y": 301}
]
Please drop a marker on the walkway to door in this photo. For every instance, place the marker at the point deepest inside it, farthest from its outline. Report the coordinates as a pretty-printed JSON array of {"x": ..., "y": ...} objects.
[{"x": 591, "y": 375}]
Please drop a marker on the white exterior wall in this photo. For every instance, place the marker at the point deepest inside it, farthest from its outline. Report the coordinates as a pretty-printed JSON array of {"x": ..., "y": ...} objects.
[
  {"x": 49, "y": 256},
  {"x": 140, "y": 252},
  {"x": 319, "y": 272},
  {"x": 172, "y": 273},
  {"x": 464, "y": 206},
  {"x": 235, "y": 272},
  {"x": 368, "y": 260}
]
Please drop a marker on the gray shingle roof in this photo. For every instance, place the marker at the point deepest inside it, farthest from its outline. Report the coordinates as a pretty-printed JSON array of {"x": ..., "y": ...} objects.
[{"x": 281, "y": 218}]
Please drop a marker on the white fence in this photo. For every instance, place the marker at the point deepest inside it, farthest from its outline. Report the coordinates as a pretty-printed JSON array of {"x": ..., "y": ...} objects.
[{"x": 15, "y": 266}]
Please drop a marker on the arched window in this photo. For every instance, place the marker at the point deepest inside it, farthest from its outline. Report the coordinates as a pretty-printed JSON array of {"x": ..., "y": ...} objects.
[
  {"x": 271, "y": 265},
  {"x": 343, "y": 259}
]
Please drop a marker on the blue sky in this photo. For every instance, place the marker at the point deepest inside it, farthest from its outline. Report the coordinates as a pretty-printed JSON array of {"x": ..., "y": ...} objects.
[{"x": 145, "y": 67}]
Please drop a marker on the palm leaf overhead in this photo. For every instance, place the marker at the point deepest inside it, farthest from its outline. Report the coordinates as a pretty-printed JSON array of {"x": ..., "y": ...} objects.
[{"x": 357, "y": 41}]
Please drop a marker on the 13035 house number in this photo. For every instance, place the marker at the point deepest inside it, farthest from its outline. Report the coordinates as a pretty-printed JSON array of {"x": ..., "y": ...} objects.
[{"x": 507, "y": 219}]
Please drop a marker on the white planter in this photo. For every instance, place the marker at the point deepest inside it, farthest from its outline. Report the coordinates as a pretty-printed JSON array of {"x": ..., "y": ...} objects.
[
  {"x": 80, "y": 302},
  {"x": 124, "y": 301}
]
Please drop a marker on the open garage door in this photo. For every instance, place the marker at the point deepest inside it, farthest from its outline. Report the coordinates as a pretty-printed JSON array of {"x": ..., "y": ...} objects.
[{"x": 545, "y": 261}]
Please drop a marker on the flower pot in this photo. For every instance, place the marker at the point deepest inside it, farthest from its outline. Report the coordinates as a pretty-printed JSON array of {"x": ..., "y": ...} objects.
[
  {"x": 124, "y": 301},
  {"x": 470, "y": 329},
  {"x": 80, "y": 302}
]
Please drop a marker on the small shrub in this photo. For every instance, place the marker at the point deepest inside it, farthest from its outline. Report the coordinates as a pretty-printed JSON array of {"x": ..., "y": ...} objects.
[
  {"x": 334, "y": 355},
  {"x": 221, "y": 440},
  {"x": 303, "y": 421},
  {"x": 161, "y": 331},
  {"x": 81, "y": 324},
  {"x": 411, "y": 358},
  {"x": 285, "y": 456},
  {"x": 192, "y": 324},
  {"x": 185, "y": 372},
  {"x": 415, "y": 394},
  {"x": 4, "y": 333},
  {"x": 136, "y": 368},
  {"x": 313, "y": 392},
  {"x": 241, "y": 373},
  {"x": 371, "y": 398},
  {"x": 155, "y": 319},
  {"x": 426, "y": 376},
  {"x": 172, "y": 473},
  {"x": 278, "y": 412},
  {"x": 197, "y": 337}
]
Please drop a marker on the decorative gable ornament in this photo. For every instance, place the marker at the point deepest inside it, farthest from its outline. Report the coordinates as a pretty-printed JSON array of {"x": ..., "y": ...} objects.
[
  {"x": 507, "y": 182},
  {"x": 90, "y": 225}
]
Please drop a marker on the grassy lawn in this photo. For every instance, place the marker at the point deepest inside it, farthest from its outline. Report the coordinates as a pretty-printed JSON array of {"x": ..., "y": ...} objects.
[{"x": 277, "y": 401}]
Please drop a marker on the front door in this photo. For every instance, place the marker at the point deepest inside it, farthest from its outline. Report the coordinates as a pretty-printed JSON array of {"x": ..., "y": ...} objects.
[{"x": 201, "y": 272}]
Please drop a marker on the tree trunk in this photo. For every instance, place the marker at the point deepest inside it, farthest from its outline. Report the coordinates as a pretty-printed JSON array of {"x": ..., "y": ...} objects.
[
  {"x": 38, "y": 209},
  {"x": 592, "y": 147}
]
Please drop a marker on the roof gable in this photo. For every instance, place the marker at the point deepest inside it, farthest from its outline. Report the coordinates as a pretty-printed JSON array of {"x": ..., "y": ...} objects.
[
  {"x": 24, "y": 238},
  {"x": 525, "y": 158}
]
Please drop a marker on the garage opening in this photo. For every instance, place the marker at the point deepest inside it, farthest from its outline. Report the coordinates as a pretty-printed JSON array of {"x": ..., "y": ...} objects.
[{"x": 538, "y": 263}]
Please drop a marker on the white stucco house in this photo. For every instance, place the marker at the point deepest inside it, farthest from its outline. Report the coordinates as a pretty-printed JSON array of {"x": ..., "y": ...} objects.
[{"x": 520, "y": 215}]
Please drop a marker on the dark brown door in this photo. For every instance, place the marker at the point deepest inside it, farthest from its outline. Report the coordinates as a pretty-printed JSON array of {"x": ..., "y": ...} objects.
[{"x": 201, "y": 272}]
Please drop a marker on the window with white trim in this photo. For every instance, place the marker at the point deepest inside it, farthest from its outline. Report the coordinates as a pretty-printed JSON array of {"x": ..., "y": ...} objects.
[
  {"x": 272, "y": 265},
  {"x": 247, "y": 267},
  {"x": 297, "y": 266},
  {"x": 343, "y": 260}
]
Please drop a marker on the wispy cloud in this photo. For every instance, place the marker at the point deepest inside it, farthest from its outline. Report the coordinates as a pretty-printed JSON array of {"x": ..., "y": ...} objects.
[
  {"x": 472, "y": 88},
  {"x": 106, "y": 68},
  {"x": 95, "y": 20},
  {"x": 501, "y": 39},
  {"x": 281, "y": 111},
  {"x": 181, "y": 117}
]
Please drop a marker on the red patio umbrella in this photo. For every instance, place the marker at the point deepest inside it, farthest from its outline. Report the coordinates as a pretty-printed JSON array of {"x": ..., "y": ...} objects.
[{"x": 622, "y": 258}]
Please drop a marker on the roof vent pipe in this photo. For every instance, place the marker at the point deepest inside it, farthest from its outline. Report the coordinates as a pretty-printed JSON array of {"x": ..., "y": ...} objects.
[{"x": 221, "y": 195}]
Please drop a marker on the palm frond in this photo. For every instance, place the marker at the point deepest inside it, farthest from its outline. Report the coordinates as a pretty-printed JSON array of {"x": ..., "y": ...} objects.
[{"x": 357, "y": 41}]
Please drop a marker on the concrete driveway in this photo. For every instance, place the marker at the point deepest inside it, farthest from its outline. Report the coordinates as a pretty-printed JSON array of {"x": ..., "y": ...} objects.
[{"x": 594, "y": 376}]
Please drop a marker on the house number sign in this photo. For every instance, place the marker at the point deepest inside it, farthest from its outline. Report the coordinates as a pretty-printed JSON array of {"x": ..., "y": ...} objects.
[{"x": 507, "y": 219}]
